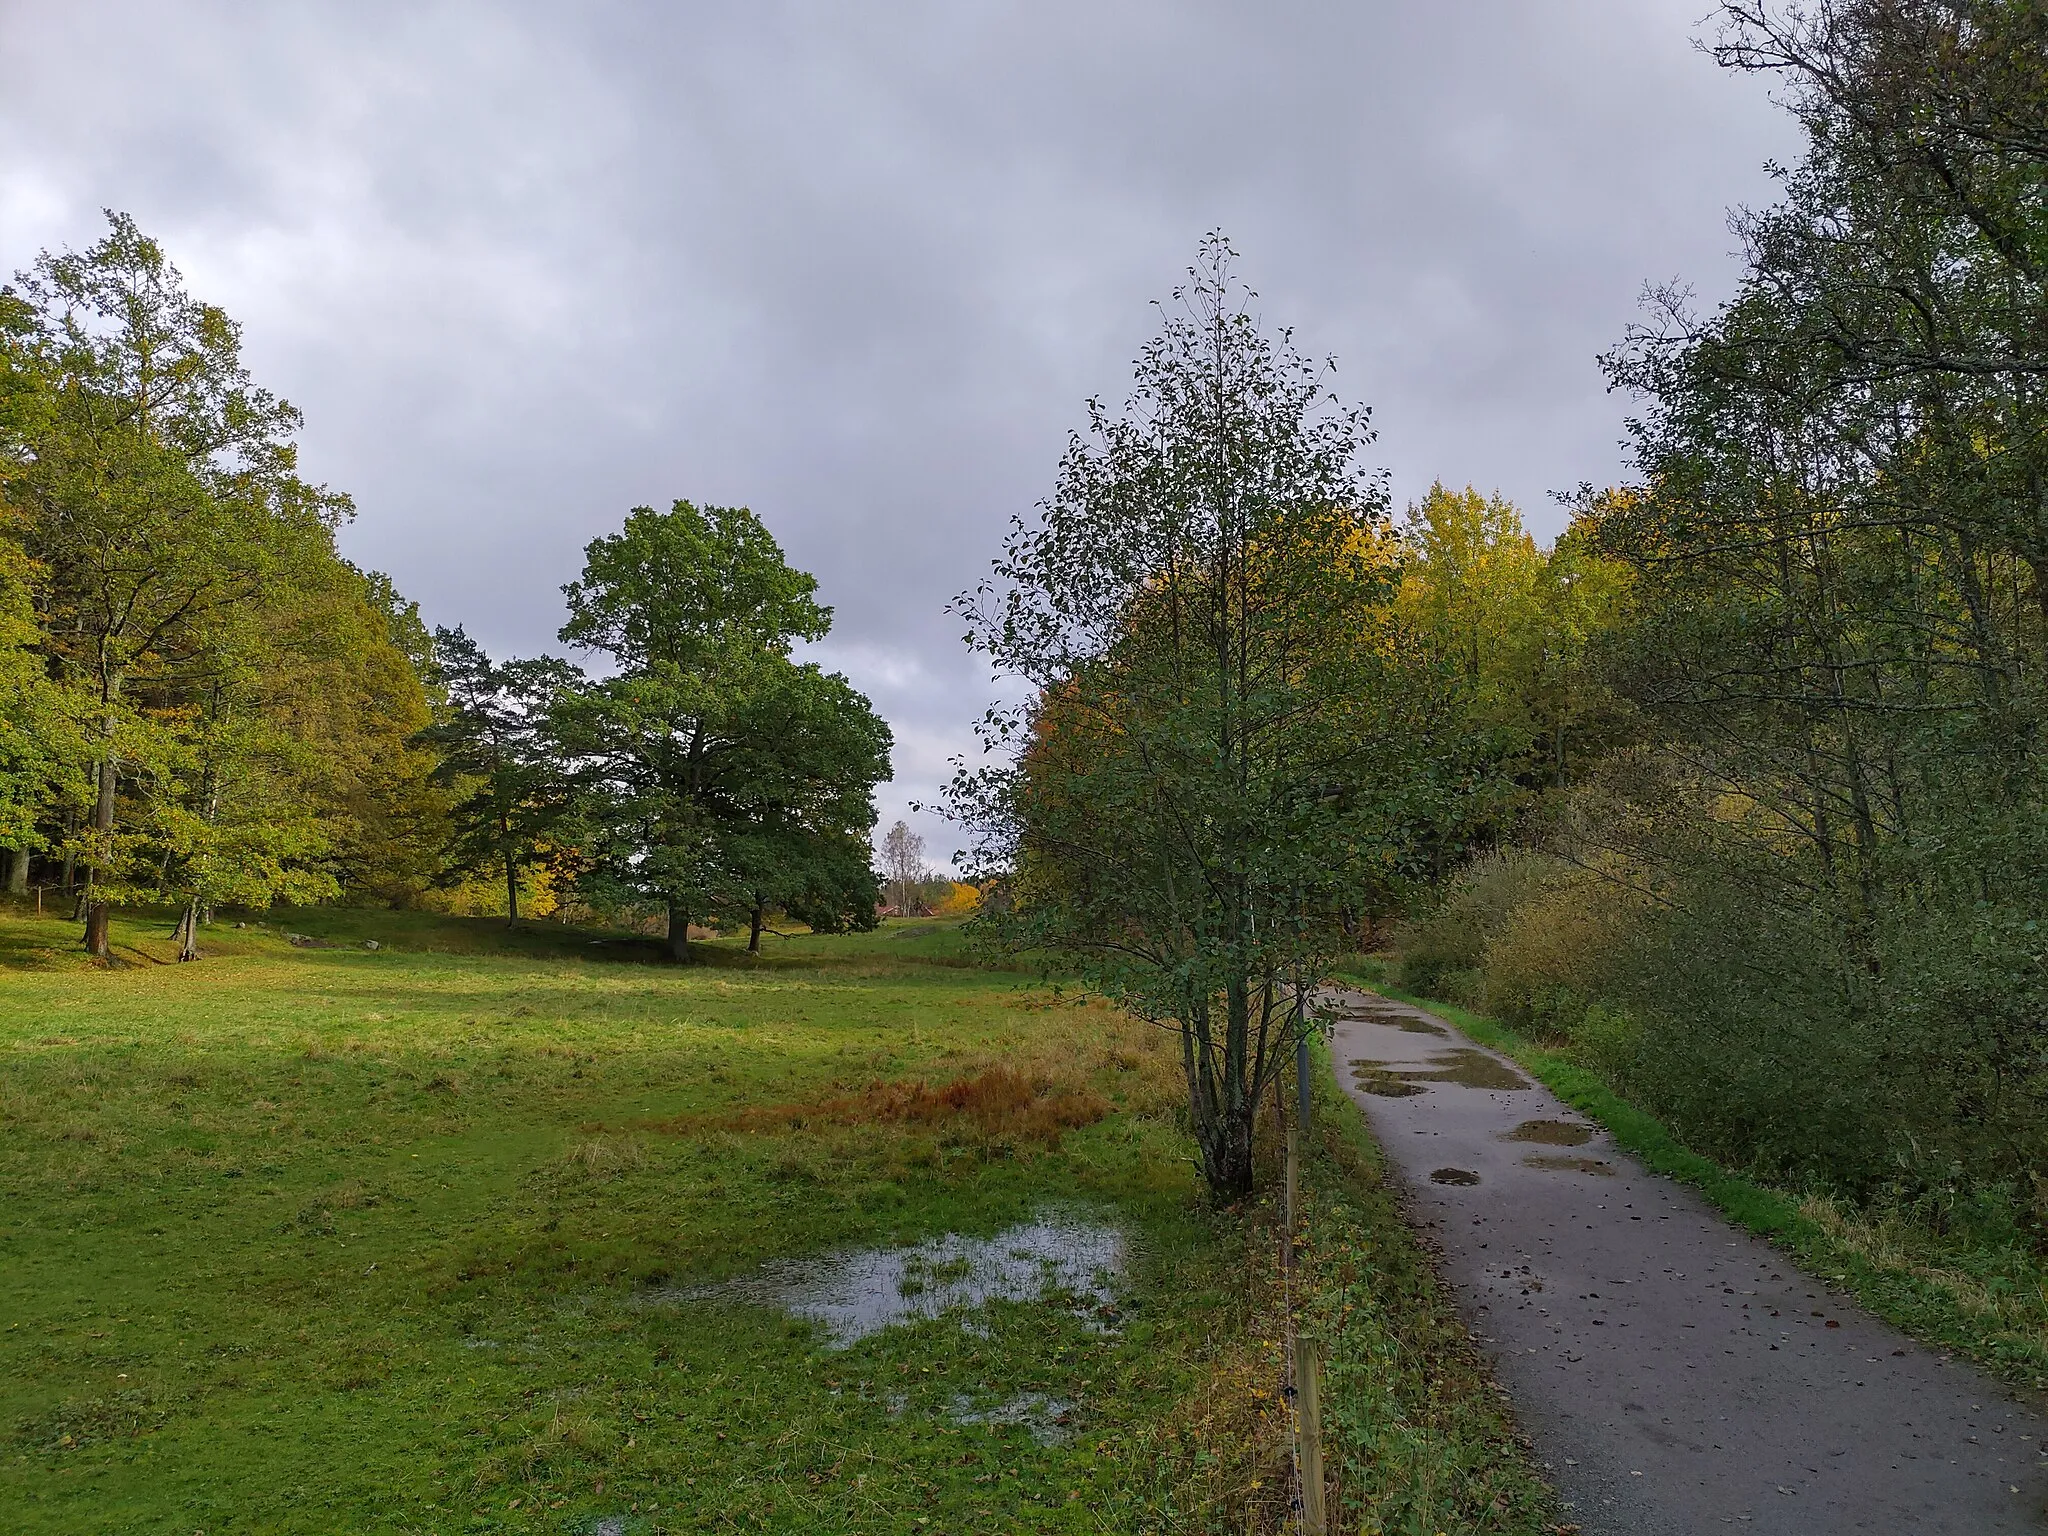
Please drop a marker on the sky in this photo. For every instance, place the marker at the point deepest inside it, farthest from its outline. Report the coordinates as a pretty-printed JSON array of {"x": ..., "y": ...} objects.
[{"x": 525, "y": 267}]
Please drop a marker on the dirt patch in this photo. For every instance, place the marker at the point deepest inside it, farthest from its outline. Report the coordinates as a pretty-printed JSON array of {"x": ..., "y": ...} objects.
[
  {"x": 999, "y": 1104},
  {"x": 1558, "y": 1163},
  {"x": 1453, "y": 1176},
  {"x": 1550, "y": 1133}
]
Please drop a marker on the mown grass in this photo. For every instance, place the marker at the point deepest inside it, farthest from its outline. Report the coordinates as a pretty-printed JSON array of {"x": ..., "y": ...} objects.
[
  {"x": 1988, "y": 1303},
  {"x": 308, "y": 1238}
]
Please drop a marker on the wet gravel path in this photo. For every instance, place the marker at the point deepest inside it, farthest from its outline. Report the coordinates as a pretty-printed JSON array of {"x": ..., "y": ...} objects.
[{"x": 1676, "y": 1373}]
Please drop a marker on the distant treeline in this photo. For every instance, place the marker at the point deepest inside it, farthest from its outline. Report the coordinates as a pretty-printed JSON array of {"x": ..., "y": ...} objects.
[
  {"x": 1781, "y": 865},
  {"x": 203, "y": 705}
]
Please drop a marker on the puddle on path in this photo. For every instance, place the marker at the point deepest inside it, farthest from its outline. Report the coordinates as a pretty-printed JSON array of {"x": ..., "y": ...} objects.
[
  {"x": 1558, "y": 1163},
  {"x": 1378, "y": 1080},
  {"x": 1407, "y": 1023},
  {"x": 858, "y": 1292},
  {"x": 1454, "y": 1176},
  {"x": 1474, "y": 1069},
  {"x": 1467, "y": 1067},
  {"x": 1550, "y": 1133}
]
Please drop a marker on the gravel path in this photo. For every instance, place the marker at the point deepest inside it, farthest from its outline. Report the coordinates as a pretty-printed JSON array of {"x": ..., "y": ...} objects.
[{"x": 1676, "y": 1373}]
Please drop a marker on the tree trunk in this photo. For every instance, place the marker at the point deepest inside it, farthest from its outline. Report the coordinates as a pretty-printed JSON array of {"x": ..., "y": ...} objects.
[
  {"x": 1221, "y": 1116},
  {"x": 97, "y": 917},
  {"x": 511, "y": 892},
  {"x": 17, "y": 872},
  {"x": 754, "y": 938},
  {"x": 1227, "y": 1154},
  {"x": 188, "y": 932},
  {"x": 97, "y": 913},
  {"x": 678, "y": 934}
]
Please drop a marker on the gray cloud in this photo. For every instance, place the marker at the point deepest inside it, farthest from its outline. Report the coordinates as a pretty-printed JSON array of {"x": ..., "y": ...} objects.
[{"x": 858, "y": 266}]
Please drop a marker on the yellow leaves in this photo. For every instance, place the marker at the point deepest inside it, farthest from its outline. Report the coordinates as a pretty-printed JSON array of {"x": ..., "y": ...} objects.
[
  {"x": 1473, "y": 595},
  {"x": 961, "y": 900}
]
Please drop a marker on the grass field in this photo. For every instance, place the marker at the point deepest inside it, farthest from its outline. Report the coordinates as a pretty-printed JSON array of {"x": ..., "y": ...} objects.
[{"x": 314, "y": 1237}]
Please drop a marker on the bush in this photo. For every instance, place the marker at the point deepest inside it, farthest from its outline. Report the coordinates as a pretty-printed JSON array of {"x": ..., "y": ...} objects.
[
  {"x": 1520, "y": 934},
  {"x": 1440, "y": 953},
  {"x": 1549, "y": 955},
  {"x": 1883, "y": 1050}
]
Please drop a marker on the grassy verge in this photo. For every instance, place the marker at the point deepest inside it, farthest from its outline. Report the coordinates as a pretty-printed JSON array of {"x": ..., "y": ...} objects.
[{"x": 1988, "y": 1304}]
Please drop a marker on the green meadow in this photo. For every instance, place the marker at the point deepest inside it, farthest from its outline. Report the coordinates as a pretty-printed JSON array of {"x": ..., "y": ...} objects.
[{"x": 431, "y": 1237}]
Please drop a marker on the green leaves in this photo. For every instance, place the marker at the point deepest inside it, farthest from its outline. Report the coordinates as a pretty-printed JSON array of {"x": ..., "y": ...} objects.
[
  {"x": 500, "y": 755},
  {"x": 716, "y": 776},
  {"x": 194, "y": 629},
  {"x": 694, "y": 590},
  {"x": 1222, "y": 756}
]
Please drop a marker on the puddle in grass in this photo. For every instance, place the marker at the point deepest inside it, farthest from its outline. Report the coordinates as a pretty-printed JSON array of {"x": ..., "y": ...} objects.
[
  {"x": 1557, "y": 1163},
  {"x": 1453, "y": 1176},
  {"x": 859, "y": 1292},
  {"x": 1551, "y": 1133},
  {"x": 1046, "y": 1419}
]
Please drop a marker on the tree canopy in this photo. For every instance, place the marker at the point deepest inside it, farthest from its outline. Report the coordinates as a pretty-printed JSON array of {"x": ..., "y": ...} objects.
[
  {"x": 1221, "y": 757},
  {"x": 717, "y": 776},
  {"x": 186, "y": 592}
]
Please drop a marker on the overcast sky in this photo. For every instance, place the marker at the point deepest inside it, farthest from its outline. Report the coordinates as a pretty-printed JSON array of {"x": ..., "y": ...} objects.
[{"x": 526, "y": 266}]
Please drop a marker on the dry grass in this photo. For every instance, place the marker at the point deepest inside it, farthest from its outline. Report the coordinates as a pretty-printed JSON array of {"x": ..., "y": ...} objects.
[
  {"x": 2008, "y": 1307},
  {"x": 605, "y": 1157},
  {"x": 1221, "y": 1457},
  {"x": 1001, "y": 1104}
]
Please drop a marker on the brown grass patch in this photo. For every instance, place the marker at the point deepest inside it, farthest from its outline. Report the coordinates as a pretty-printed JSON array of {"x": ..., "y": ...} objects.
[{"x": 1001, "y": 1104}]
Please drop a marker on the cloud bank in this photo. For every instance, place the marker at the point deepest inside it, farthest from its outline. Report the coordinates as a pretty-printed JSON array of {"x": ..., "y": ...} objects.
[{"x": 527, "y": 266}]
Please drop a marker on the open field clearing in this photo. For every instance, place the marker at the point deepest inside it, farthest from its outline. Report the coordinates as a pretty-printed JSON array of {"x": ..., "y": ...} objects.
[{"x": 322, "y": 1239}]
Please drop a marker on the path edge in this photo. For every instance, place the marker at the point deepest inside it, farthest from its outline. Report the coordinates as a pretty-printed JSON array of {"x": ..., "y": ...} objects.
[{"x": 1925, "y": 1312}]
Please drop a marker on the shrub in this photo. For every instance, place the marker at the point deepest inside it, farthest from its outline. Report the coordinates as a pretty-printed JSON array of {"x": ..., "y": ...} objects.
[{"x": 1549, "y": 953}]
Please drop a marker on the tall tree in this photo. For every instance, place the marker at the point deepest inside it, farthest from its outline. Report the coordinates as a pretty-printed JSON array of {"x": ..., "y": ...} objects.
[
  {"x": 1839, "y": 552},
  {"x": 808, "y": 752},
  {"x": 1218, "y": 757},
  {"x": 1514, "y": 621},
  {"x": 162, "y": 496},
  {"x": 368, "y": 700},
  {"x": 903, "y": 859},
  {"x": 701, "y": 738},
  {"x": 499, "y": 757},
  {"x": 42, "y": 751}
]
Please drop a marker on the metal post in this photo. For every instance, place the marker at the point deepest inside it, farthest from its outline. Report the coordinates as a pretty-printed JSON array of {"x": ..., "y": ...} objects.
[{"x": 1293, "y": 1184}]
